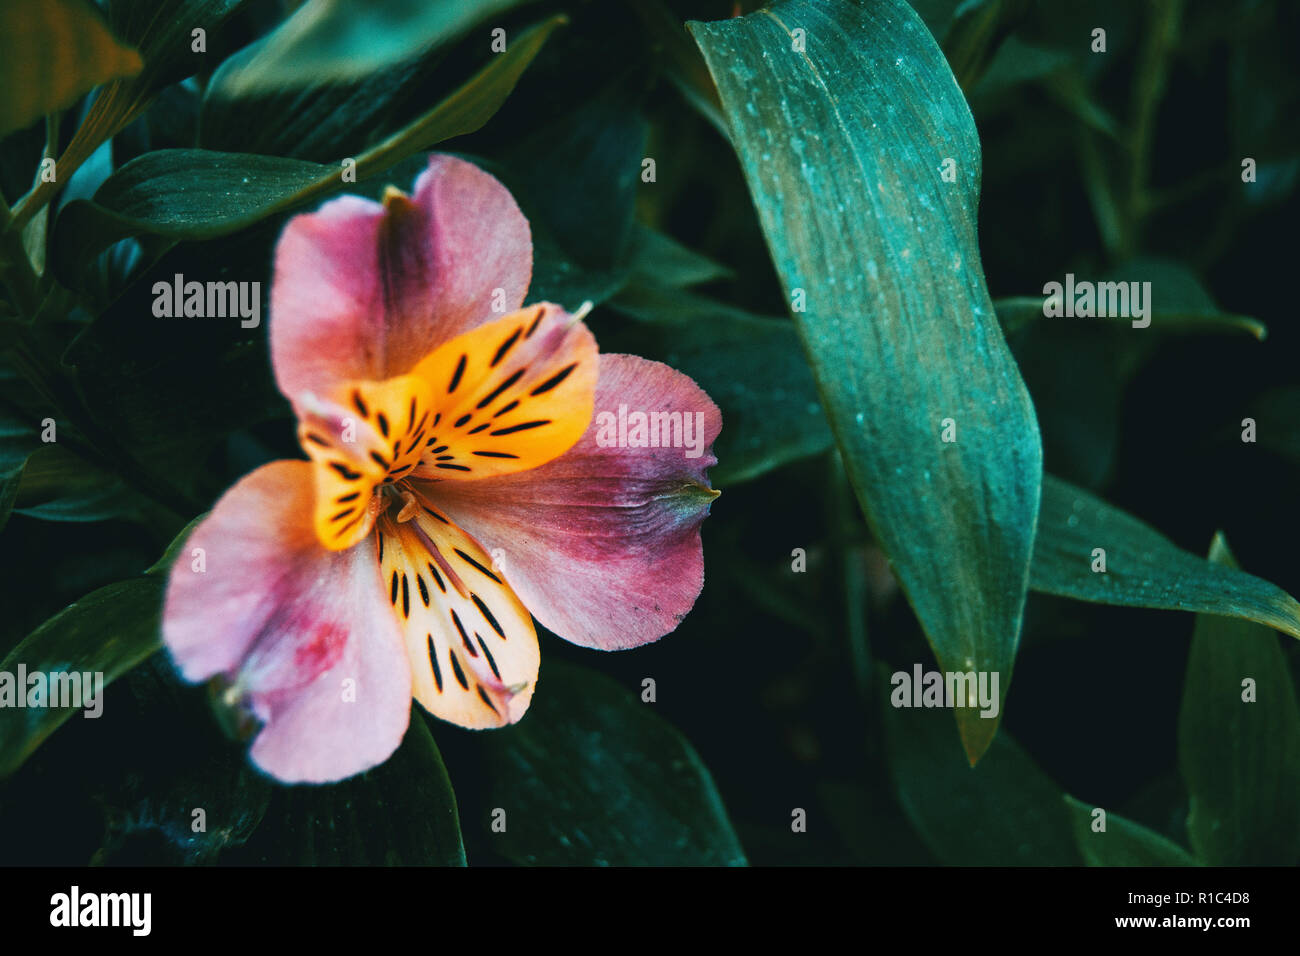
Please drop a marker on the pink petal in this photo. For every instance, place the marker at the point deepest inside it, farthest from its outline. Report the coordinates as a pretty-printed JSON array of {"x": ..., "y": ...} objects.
[
  {"x": 253, "y": 596},
  {"x": 364, "y": 290},
  {"x": 602, "y": 545}
]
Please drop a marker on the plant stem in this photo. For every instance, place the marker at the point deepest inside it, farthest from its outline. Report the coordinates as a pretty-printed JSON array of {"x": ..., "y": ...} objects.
[{"x": 1148, "y": 88}]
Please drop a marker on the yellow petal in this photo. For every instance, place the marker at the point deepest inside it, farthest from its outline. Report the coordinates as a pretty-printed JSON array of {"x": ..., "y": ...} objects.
[
  {"x": 510, "y": 395},
  {"x": 471, "y": 643}
]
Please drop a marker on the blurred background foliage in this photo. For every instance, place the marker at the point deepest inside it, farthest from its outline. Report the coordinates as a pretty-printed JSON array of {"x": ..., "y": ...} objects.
[{"x": 773, "y": 693}]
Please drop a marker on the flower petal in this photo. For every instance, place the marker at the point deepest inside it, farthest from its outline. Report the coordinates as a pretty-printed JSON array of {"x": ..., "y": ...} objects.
[
  {"x": 602, "y": 545},
  {"x": 302, "y": 632},
  {"x": 471, "y": 645},
  {"x": 364, "y": 291},
  {"x": 510, "y": 395}
]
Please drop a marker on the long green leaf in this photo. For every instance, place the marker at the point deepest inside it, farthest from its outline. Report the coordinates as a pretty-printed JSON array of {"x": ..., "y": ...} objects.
[
  {"x": 1239, "y": 742},
  {"x": 1123, "y": 842},
  {"x": 1143, "y": 567},
  {"x": 108, "y": 632},
  {"x": 843, "y": 129}
]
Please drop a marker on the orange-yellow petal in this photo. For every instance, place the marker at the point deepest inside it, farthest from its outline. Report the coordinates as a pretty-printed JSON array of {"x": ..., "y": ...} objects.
[
  {"x": 471, "y": 644},
  {"x": 510, "y": 395}
]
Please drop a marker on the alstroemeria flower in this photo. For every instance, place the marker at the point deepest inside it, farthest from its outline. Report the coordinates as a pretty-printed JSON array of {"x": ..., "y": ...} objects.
[{"x": 456, "y": 488}]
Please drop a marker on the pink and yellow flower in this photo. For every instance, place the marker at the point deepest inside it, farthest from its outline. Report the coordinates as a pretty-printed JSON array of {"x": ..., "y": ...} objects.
[{"x": 455, "y": 489}]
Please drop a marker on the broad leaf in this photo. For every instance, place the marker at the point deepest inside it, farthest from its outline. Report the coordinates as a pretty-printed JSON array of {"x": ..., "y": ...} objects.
[
  {"x": 843, "y": 131},
  {"x": 1123, "y": 842},
  {"x": 593, "y": 777},
  {"x": 108, "y": 632},
  {"x": 200, "y": 194},
  {"x": 1239, "y": 742},
  {"x": 1143, "y": 568},
  {"x": 51, "y": 52}
]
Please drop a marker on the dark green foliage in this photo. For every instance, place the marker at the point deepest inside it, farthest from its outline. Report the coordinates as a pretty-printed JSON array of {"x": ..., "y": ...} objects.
[{"x": 763, "y": 202}]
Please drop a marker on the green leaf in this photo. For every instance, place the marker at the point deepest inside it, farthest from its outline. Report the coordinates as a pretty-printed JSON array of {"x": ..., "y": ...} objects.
[
  {"x": 162, "y": 31},
  {"x": 593, "y": 777},
  {"x": 109, "y": 631},
  {"x": 972, "y": 38},
  {"x": 57, "y": 485},
  {"x": 937, "y": 14},
  {"x": 1081, "y": 426},
  {"x": 340, "y": 40},
  {"x": 51, "y": 52},
  {"x": 1239, "y": 748},
  {"x": 1017, "y": 62},
  {"x": 401, "y": 813},
  {"x": 1143, "y": 567},
  {"x": 17, "y": 442},
  {"x": 189, "y": 194},
  {"x": 659, "y": 258},
  {"x": 316, "y": 122},
  {"x": 1277, "y": 418},
  {"x": 1178, "y": 303},
  {"x": 1003, "y": 812},
  {"x": 599, "y": 148},
  {"x": 750, "y": 365},
  {"x": 681, "y": 60},
  {"x": 164, "y": 564},
  {"x": 842, "y": 147},
  {"x": 1123, "y": 842}
]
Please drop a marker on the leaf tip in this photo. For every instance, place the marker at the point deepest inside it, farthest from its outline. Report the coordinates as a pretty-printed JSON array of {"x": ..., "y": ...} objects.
[{"x": 976, "y": 733}]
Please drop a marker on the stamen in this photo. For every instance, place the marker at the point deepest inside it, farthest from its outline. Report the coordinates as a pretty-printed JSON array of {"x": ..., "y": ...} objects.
[{"x": 410, "y": 507}]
